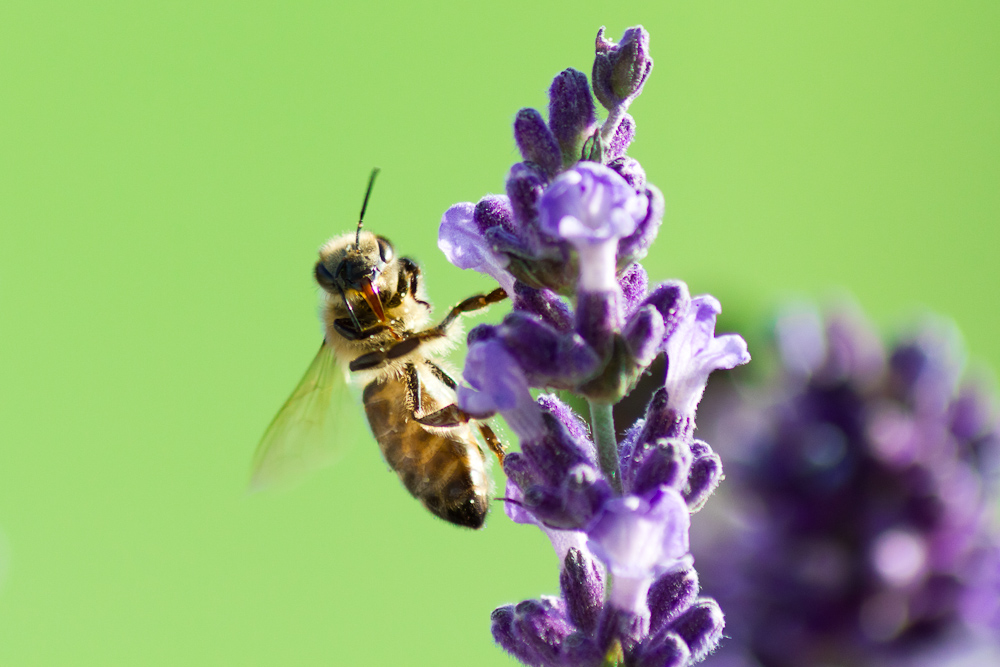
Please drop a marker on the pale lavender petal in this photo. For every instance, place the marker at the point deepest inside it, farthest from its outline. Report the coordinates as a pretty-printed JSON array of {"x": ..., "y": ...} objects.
[
  {"x": 496, "y": 383},
  {"x": 640, "y": 537},
  {"x": 693, "y": 352},
  {"x": 462, "y": 243}
]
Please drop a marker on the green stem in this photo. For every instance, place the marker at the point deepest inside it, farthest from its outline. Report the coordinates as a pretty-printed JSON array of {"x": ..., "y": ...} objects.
[
  {"x": 614, "y": 119},
  {"x": 602, "y": 425}
]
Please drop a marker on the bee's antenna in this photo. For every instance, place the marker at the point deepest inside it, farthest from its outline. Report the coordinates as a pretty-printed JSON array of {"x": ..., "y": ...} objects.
[{"x": 361, "y": 218}]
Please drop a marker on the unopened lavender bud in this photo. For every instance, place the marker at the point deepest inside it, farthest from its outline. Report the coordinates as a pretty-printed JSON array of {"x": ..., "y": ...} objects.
[
  {"x": 541, "y": 626},
  {"x": 582, "y": 584},
  {"x": 666, "y": 649},
  {"x": 620, "y": 70},
  {"x": 525, "y": 184},
  {"x": 571, "y": 113},
  {"x": 561, "y": 449},
  {"x": 631, "y": 171},
  {"x": 502, "y": 627},
  {"x": 700, "y": 448},
  {"x": 536, "y": 141},
  {"x": 643, "y": 335},
  {"x": 666, "y": 462},
  {"x": 700, "y": 627},
  {"x": 628, "y": 444},
  {"x": 634, "y": 284},
  {"x": 620, "y": 141},
  {"x": 670, "y": 596},
  {"x": 706, "y": 473},
  {"x": 547, "y": 356},
  {"x": 494, "y": 211},
  {"x": 672, "y": 300},
  {"x": 574, "y": 426},
  {"x": 662, "y": 421},
  {"x": 545, "y": 304},
  {"x": 636, "y": 245}
]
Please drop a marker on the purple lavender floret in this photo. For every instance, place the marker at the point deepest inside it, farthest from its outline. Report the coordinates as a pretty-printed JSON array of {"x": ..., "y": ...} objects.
[
  {"x": 565, "y": 243},
  {"x": 871, "y": 473}
]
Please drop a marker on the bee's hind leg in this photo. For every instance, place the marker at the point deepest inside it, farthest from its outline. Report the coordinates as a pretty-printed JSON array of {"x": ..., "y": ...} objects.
[
  {"x": 452, "y": 415},
  {"x": 412, "y": 388}
]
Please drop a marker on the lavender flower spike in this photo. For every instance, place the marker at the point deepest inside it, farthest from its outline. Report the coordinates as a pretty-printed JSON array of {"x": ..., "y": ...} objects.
[
  {"x": 591, "y": 206},
  {"x": 461, "y": 242},
  {"x": 565, "y": 243},
  {"x": 694, "y": 351}
]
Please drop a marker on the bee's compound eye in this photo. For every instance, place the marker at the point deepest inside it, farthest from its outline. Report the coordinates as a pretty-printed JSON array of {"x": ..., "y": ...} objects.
[
  {"x": 384, "y": 249},
  {"x": 323, "y": 275}
]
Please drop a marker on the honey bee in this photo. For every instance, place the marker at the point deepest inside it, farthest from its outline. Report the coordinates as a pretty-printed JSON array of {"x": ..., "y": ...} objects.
[{"x": 374, "y": 314}]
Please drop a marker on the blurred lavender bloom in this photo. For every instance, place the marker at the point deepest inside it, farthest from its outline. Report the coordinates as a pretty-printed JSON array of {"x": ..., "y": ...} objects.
[{"x": 863, "y": 499}]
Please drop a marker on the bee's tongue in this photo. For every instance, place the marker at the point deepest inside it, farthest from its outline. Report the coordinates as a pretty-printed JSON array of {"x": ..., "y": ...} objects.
[{"x": 370, "y": 294}]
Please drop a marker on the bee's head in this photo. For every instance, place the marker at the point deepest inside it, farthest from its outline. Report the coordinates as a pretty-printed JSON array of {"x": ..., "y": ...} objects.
[{"x": 353, "y": 267}]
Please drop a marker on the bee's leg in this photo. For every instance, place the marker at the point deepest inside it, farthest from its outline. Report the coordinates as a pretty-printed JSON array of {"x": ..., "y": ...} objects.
[
  {"x": 412, "y": 388},
  {"x": 472, "y": 304},
  {"x": 376, "y": 358},
  {"x": 345, "y": 327},
  {"x": 446, "y": 417},
  {"x": 452, "y": 415},
  {"x": 492, "y": 441},
  {"x": 412, "y": 272},
  {"x": 440, "y": 374}
]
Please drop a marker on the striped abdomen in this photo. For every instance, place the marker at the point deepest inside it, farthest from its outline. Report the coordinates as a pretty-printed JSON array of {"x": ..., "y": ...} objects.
[{"x": 444, "y": 468}]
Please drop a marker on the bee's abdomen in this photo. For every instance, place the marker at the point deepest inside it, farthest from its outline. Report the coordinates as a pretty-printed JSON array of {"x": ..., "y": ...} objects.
[{"x": 443, "y": 468}]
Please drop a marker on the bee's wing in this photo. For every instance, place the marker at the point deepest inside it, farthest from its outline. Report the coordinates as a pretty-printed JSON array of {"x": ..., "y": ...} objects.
[{"x": 312, "y": 427}]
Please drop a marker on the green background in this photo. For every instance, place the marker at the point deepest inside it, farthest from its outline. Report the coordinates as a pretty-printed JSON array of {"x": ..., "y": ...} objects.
[{"x": 168, "y": 170}]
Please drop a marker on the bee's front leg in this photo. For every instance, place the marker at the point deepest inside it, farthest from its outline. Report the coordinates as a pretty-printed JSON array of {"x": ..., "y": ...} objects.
[
  {"x": 470, "y": 305},
  {"x": 376, "y": 358}
]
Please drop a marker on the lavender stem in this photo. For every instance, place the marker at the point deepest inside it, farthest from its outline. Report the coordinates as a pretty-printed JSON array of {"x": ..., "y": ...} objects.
[
  {"x": 602, "y": 426},
  {"x": 611, "y": 123}
]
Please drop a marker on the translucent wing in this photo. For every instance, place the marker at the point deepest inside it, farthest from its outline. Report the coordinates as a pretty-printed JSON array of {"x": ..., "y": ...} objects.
[{"x": 312, "y": 427}]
